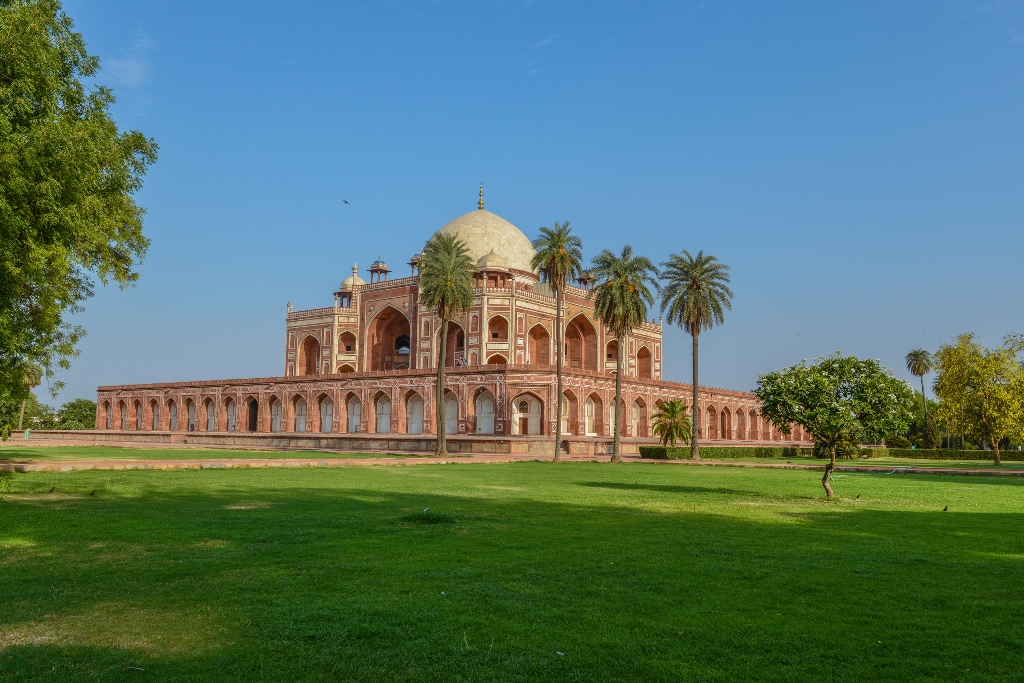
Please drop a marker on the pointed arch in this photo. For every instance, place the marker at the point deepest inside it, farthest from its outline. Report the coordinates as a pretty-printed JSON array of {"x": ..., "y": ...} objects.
[
  {"x": 497, "y": 328},
  {"x": 413, "y": 413},
  {"x": 387, "y": 340},
  {"x": 638, "y": 418},
  {"x": 580, "y": 344},
  {"x": 594, "y": 415},
  {"x": 172, "y": 415},
  {"x": 497, "y": 359},
  {"x": 484, "y": 410},
  {"x": 644, "y": 364},
  {"x": 309, "y": 355},
  {"x": 455, "y": 351},
  {"x": 299, "y": 413},
  {"x": 712, "y": 422},
  {"x": 353, "y": 413},
  {"x": 570, "y": 413},
  {"x": 725, "y": 417},
  {"x": 382, "y": 413},
  {"x": 527, "y": 415},
  {"x": 538, "y": 347},
  {"x": 325, "y": 413}
]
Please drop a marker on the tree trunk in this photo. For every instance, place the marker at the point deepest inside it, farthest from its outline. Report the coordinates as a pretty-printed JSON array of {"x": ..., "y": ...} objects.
[
  {"x": 995, "y": 450},
  {"x": 828, "y": 471},
  {"x": 924, "y": 401},
  {"x": 21, "y": 417},
  {"x": 694, "y": 445},
  {"x": 617, "y": 439},
  {"x": 558, "y": 374},
  {"x": 439, "y": 422}
]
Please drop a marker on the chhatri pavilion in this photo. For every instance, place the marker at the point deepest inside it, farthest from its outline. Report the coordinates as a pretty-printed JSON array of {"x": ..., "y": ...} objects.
[{"x": 361, "y": 373}]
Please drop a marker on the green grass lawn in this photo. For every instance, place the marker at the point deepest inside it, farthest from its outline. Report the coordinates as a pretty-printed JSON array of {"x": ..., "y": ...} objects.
[
  {"x": 525, "y": 572},
  {"x": 885, "y": 462},
  {"x": 26, "y": 454}
]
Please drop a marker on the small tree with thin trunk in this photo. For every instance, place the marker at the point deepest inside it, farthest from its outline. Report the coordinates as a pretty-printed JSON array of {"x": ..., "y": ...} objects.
[
  {"x": 841, "y": 401},
  {"x": 695, "y": 297},
  {"x": 621, "y": 299},
  {"x": 31, "y": 377},
  {"x": 559, "y": 257},
  {"x": 672, "y": 423},
  {"x": 446, "y": 287}
]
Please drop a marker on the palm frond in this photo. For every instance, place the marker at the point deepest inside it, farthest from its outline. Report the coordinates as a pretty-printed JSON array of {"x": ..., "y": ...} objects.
[{"x": 696, "y": 294}]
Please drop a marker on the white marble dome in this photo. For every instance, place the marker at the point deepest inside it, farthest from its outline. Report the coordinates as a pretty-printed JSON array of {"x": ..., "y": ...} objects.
[{"x": 483, "y": 232}]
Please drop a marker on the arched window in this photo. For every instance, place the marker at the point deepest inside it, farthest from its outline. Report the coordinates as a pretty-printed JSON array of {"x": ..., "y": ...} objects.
[
  {"x": 326, "y": 415},
  {"x": 172, "y": 414},
  {"x": 354, "y": 410},
  {"x": 300, "y": 415},
  {"x": 451, "y": 415},
  {"x": 232, "y": 415},
  {"x": 383, "y": 410},
  {"x": 275, "y": 416},
  {"x": 211, "y": 416},
  {"x": 155, "y": 419},
  {"x": 414, "y": 414},
  {"x": 484, "y": 413},
  {"x": 138, "y": 416}
]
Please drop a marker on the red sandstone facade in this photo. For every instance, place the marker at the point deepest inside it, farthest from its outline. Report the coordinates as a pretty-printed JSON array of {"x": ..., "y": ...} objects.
[{"x": 367, "y": 366}]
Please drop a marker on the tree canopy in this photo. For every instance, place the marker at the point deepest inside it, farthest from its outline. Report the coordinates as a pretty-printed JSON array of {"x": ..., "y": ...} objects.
[
  {"x": 841, "y": 401},
  {"x": 671, "y": 423},
  {"x": 67, "y": 176},
  {"x": 981, "y": 390}
]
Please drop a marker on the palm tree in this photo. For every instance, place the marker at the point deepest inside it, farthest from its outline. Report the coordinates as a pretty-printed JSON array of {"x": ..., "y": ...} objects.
[
  {"x": 695, "y": 298},
  {"x": 920, "y": 363},
  {"x": 31, "y": 378},
  {"x": 446, "y": 287},
  {"x": 671, "y": 423},
  {"x": 559, "y": 257},
  {"x": 621, "y": 300}
]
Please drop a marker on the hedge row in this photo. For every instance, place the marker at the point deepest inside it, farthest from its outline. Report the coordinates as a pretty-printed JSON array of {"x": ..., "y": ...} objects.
[
  {"x": 721, "y": 452},
  {"x": 945, "y": 454}
]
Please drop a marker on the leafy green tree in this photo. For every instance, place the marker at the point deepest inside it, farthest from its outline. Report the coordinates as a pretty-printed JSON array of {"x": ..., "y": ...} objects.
[
  {"x": 841, "y": 401},
  {"x": 981, "y": 390},
  {"x": 695, "y": 297},
  {"x": 446, "y": 287},
  {"x": 621, "y": 298},
  {"x": 67, "y": 176},
  {"x": 919, "y": 364},
  {"x": 31, "y": 377},
  {"x": 79, "y": 413},
  {"x": 559, "y": 257},
  {"x": 672, "y": 423}
]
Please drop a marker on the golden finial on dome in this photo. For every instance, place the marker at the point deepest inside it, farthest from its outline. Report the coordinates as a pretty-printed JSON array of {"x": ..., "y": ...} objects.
[{"x": 480, "y": 204}]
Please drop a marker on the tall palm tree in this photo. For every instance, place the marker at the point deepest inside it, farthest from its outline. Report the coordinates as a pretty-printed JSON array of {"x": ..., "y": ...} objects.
[
  {"x": 920, "y": 363},
  {"x": 621, "y": 299},
  {"x": 695, "y": 297},
  {"x": 559, "y": 257},
  {"x": 446, "y": 287},
  {"x": 31, "y": 377},
  {"x": 671, "y": 423}
]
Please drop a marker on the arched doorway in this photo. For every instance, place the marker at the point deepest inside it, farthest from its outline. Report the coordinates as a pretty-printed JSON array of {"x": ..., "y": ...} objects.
[
  {"x": 232, "y": 414},
  {"x": 345, "y": 369},
  {"x": 484, "y": 407},
  {"x": 190, "y": 410},
  {"x": 580, "y": 344},
  {"x": 326, "y": 414},
  {"x": 527, "y": 415},
  {"x": 497, "y": 329},
  {"x": 414, "y": 414},
  {"x": 497, "y": 359},
  {"x": 309, "y": 356},
  {"x": 644, "y": 366},
  {"x": 712, "y": 423},
  {"x": 172, "y": 415},
  {"x": 726, "y": 424},
  {"x": 451, "y": 414},
  {"x": 611, "y": 356},
  {"x": 253, "y": 415},
  {"x": 455, "y": 351},
  {"x": 354, "y": 414},
  {"x": 594, "y": 415},
  {"x": 211, "y": 416},
  {"x": 382, "y": 410},
  {"x": 741, "y": 425},
  {"x": 154, "y": 415},
  {"x": 539, "y": 346},
  {"x": 299, "y": 408},
  {"x": 387, "y": 341},
  {"x": 123, "y": 409},
  {"x": 275, "y": 415},
  {"x": 638, "y": 418}
]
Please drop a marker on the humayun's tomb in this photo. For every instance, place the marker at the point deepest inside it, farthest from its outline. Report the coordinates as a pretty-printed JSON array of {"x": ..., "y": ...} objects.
[{"x": 360, "y": 375}]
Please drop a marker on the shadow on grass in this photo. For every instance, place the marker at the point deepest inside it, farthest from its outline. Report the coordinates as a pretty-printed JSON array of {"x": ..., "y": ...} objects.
[{"x": 317, "y": 582}]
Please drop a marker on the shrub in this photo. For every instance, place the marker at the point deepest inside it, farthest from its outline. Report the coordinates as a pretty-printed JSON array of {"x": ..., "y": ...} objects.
[
  {"x": 947, "y": 454},
  {"x": 897, "y": 442},
  {"x": 721, "y": 452}
]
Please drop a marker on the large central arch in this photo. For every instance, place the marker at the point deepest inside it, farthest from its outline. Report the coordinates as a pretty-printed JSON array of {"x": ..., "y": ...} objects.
[{"x": 387, "y": 341}]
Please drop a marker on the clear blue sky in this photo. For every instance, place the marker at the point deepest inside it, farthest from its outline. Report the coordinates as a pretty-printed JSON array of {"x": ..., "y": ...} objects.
[{"x": 859, "y": 164}]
